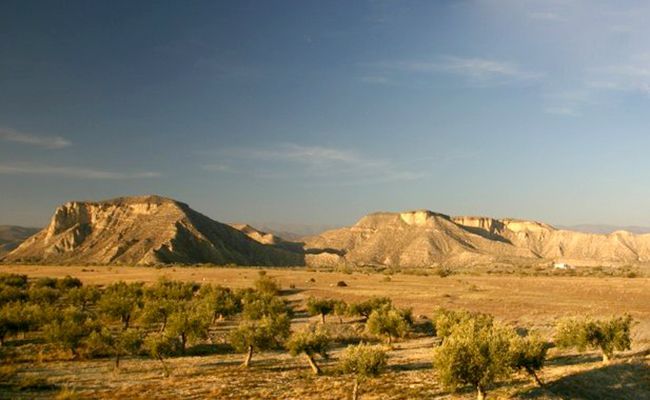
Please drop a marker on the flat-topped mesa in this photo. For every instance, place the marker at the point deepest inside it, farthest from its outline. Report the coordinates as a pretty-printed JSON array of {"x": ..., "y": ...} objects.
[
  {"x": 144, "y": 230},
  {"x": 497, "y": 226},
  {"x": 417, "y": 218},
  {"x": 421, "y": 217}
]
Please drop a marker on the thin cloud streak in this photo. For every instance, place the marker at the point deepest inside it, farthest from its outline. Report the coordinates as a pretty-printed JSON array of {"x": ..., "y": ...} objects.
[
  {"x": 321, "y": 165},
  {"x": 50, "y": 142},
  {"x": 70, "y": 172},
  {"x": 480, "y": 71}
]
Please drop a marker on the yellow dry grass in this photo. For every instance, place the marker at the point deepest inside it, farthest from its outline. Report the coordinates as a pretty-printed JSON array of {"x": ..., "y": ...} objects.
[{"x": 525, "y": 301}]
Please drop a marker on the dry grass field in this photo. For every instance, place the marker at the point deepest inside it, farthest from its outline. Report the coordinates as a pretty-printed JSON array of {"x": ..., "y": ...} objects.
[{"x": 532, "y": 302}]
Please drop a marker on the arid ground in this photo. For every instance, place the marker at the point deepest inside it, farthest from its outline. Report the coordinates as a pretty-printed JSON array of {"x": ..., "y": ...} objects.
[{"x": 527, "y": 301}]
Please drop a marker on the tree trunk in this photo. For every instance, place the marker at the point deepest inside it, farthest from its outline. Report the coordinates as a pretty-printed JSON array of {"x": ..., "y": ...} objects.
[
  {"x": 183, "y": 341},
  {"x": 605, "y": 358},
  {"x": 312, "y": 364},
  {"x": 390, "y": 339},
  {"x": 164, "y": 325},
  {"x": 480, "y": 393},
  {"x": 117, "y": 360},
  {"x": 355, "y": 389},
  {"x": 166, "y": 373},
  {"x": 535, "y": 377},
  {"x": 322, "y": 318},
  {"x": 247, "y": 361}
]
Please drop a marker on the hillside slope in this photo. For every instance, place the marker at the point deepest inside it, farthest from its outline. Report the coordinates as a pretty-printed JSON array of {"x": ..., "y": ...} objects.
[
  {"x": 12, "y": 236},
  {"x": 143, "y": 230}
]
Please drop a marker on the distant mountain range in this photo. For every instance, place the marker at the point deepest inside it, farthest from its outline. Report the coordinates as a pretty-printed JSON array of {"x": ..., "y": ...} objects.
[
  {"x": 605, "y": 229},
  {"x": 11, "y": 236},
  {"x": 153, "y": 230}
]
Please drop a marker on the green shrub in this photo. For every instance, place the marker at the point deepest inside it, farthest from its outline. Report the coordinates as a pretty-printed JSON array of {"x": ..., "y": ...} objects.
[
  {"x": 320, "y": 307},
  {"x": 121, "y": 301},
  {"x": 606, "y": 335},
  {"x": 14, "y": 280},
  {"x": 70, "y": 328},
  {"x": 529, "y": 354},
  {"x": 366, "y": 307},
  {"x": 309, "y": 342},
  {"x": 267, "y": 285},
  {"x": 269, "y": 332},
  {"x": 362, "y": 361},
  {"x": 389, "y": 322},
  {"x": 474, "y": 353},
  {"x": 445, "y": 320}
]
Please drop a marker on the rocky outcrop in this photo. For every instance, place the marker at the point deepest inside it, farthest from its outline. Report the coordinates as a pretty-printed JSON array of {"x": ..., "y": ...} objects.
[
  {"x": 423, "y": 238},
  {"x": 144, "y": 230}
]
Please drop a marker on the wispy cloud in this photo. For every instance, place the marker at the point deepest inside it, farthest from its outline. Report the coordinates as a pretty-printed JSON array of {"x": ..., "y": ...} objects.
[
  {"x": 70, "y": 172},
  {"x": 477, "y": 71},
  {"x": 318, "y": 164},
  {"x": 50, "y": 142},
  {"x": 633, "y": 76},
  {"x": 546, "y": 16}
]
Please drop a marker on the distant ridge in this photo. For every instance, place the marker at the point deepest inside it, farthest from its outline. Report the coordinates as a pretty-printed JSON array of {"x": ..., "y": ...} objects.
[
  {"x": 149, "y": 230},
  {"x": 11, "y": 236},
  {"x": 143, "y": 230},
  {"x": 422, "y": 238}
]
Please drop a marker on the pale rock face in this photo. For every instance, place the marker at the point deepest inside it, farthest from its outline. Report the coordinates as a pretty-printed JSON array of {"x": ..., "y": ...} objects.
[
  {"x": 144, "y": 230},
  {"x": 418, "y": 218}
]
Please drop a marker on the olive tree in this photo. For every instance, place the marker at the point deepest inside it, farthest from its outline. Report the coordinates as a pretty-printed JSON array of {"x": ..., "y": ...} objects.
[
  {"x": 70, "y": 327},
  {"x": 222, "y": 301},
  {"x": 190, "y": 321},
  {"x": 121, "y": 301},
  {"x": 366, "y": 307},
  {"x": 309, "y": 342},
  {"x": 474, "y": 353},
  {"x": 160, "y": 346},
  {"x": 529, "y": 354},
  {"x": 115, "y": 342},
  {"x": 162, "y": 299},
  {"x": 17, "y": 317},
  {"x": 607, "y": 335},
  {"x": 266, "y": 333},
  {"x": 320, "y": 307},
  {"x": 389, "y": 322},
  {"x": 362, "y": 361},
  {"x": 446, "y": 320},
  {"x": 341, "y": 309}
]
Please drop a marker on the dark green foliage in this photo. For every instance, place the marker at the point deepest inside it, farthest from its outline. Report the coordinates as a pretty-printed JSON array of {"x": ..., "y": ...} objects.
[
  {"x": 390, "y": 322},
  {"x": 83, "y": 297},
  {"x": 366, "y": 307},
  {"x": 70, "y": 328},
  {"x": 189, "y": 321},
  {"x": 117, "y": 343},
  {"x": 607, "y": 335},
  {"x": 121, "y": 301},
  {"x": 68, "y": 283},
  {"x": 164, "y": 298},
  {"x": 13, "y": 280},
  {"x": 475, "y": 352},
  {"x": 320, "y": 307},
  {"x": 341, "y": 309},
  {"x": 9, "y": 294},
  {"x": 17, "y": 317},
  {"x": 43, "y": 294}
]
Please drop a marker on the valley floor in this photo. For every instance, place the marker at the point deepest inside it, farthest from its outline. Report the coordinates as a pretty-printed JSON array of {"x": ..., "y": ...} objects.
[{"x": 533, "y": 302}]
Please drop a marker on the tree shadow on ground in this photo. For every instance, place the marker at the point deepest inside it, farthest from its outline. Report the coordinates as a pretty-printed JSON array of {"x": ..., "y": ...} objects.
[
  {"x": 624, "y": 381},
  {"x": 574, "y": 359},
  {"x": 414, "y": 366}
]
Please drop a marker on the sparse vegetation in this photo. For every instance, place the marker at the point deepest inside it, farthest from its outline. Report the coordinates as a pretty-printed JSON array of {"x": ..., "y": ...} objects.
[
  {"x": 606, "y": 335},
  {"x": 362, "y": 361}
]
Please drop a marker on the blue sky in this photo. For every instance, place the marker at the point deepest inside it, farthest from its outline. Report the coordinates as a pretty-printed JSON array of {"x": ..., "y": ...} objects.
[{"x": 319, "y": 112}]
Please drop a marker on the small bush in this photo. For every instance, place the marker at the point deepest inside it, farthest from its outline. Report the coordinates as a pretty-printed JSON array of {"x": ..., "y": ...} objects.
[
  {"x": 363, "y": 360},
  {"x": 606, "y": 335}
]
